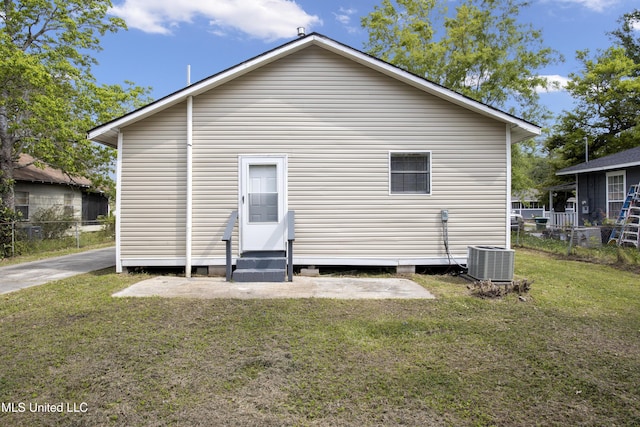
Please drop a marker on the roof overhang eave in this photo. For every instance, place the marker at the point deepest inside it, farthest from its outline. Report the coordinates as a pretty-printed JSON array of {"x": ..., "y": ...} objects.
[
  {"x": 598, "y": 169},
  {"x": 108, "y": 137},
  {"x": 520, "y": 132}
]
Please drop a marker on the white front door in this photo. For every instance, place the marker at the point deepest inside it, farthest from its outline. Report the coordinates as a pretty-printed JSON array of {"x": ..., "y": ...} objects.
[{"x": 262, "y": 203}]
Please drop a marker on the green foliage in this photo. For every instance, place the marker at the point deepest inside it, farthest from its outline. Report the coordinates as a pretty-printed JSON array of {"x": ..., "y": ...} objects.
[
  {"x": 607, "y": 113},
  {"x": 48, "y": 95},
  {"x": 53, "y": 221},
  {"x": 626, "y": 35},
  {"x": 607, "y": 94},
  {"x": 481, "y": 50},
  {"x": 624, "y": 257},
  {"x": 528, "y": 167},
  {"x": 27, "y": 250},
  {"x": 7, "y": 217},
  {"x": 108, "y": 223}
]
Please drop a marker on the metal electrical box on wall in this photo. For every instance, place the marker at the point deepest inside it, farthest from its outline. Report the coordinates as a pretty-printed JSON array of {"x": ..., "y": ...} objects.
[{"x": 585, "y": 206}]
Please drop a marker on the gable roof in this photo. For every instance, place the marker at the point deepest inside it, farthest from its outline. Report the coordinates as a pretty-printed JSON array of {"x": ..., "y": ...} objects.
[
  {"x": 623, "y": 159},
  {"x": 107, "y": 133},
  {"x": 26, "y": 171}
]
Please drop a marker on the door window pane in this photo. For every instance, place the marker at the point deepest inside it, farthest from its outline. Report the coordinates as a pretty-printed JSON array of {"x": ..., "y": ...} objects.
[{"x": 263, "y": 193}]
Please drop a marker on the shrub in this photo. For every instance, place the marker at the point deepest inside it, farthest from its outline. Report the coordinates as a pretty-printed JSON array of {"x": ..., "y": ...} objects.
[
  {"x": 53, "y": 221},
  {"x": 108, "y": 224},
  {"x": 7, "y": 217}
]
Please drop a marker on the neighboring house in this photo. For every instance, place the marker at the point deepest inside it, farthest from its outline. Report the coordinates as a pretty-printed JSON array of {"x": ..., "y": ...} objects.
[
  {"x": 366, "y": 154},
  {"x": 42, "y": 188},
  {"x": 602, "y": 184},
  {"x": 526, "y": 203}
]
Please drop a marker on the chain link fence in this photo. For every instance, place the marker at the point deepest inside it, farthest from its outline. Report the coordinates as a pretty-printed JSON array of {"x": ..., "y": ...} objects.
[{"x": 22, "y": 237}]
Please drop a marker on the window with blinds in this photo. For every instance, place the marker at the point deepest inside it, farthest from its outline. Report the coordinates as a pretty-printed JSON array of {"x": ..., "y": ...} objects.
[{"x": 410, "y": 173}]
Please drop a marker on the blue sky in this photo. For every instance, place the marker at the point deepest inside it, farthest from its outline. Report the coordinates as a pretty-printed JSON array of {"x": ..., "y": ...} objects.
[{"x": 167, "y": 36}]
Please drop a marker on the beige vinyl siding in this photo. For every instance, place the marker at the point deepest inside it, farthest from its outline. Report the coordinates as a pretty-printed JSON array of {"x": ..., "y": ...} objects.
[
  {"x": 153, "y": 200},
  {"x": 337, "y": 121}
]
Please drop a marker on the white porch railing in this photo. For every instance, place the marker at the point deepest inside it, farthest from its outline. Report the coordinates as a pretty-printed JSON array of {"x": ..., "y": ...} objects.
[{"x": 562, "y": 219}]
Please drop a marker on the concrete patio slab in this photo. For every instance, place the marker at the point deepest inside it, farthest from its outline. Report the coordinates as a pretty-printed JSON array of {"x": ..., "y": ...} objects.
[{"x": 301, "y": 287}]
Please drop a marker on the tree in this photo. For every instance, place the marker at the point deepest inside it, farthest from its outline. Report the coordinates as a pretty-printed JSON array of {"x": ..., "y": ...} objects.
[
  {"x": 481, "y": 51},
  {"x": 607, "y": 111},
  {"x": 607, "y": 94},
  {"x": 624, "y": 36},
  {"x": 528, "y": 168},
  {"x": 48, "y": 95}
]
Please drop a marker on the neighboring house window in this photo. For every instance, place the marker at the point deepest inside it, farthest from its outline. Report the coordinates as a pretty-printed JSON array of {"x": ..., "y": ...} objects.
[
  {"x": 616, "y": 192},
  {"x": 68, "y": 205},
  {"x": 21, "y": 201},
  {"x": 410, "y": 173}
]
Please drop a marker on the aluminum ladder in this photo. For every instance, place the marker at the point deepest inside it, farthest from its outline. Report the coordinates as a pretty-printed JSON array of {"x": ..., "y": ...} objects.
[{"x": 626, "y": 223}]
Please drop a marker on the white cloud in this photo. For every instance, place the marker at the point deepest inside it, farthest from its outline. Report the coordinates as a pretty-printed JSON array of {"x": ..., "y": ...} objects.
[
  {"x": 264, "y": 19},
  {"x": 344, "y": 17},
  {"x": 557, "y": 83},
  {"x": 595, "y": 5}
]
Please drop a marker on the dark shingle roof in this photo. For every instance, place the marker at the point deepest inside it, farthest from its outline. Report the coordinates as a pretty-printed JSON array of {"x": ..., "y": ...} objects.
[{"x": 623, "y": 159}]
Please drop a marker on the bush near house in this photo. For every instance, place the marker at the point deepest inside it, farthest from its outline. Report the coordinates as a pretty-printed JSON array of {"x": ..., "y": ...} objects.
[{"x": 53, "y": 222}]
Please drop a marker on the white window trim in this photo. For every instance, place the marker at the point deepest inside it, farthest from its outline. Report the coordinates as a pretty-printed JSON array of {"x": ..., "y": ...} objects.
[
  {"x": 624, "y": 190},
  {"x": 430, "y": 155}
]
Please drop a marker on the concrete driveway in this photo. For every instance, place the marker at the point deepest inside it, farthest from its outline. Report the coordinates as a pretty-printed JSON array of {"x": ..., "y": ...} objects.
[{"x": 20, "y": 276}]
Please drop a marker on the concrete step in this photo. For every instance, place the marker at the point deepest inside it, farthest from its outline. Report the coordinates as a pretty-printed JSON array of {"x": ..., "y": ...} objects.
[
  {"x": 264, "y": 254},
  {"x": 261, "y": 263},
  {"x": 259, "y": 275}
]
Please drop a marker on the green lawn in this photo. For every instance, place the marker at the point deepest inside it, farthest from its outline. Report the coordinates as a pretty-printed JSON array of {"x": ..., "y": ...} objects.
[{"x": 568, "y": 355}]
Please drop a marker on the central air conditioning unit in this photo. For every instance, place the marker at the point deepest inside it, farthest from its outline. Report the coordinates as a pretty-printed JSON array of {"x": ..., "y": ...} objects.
[{"x": 490, "y": 263}]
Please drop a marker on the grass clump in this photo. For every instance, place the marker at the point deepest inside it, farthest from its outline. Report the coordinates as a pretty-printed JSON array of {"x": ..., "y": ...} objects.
[{"x": 569, "y": 355}]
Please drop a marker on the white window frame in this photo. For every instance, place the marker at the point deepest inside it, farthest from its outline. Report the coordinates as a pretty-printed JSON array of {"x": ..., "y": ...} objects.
[
  {"x": 429, "y": 155},
  {"x": 624, "y": 192}
]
